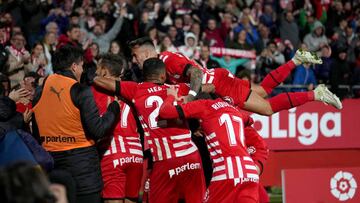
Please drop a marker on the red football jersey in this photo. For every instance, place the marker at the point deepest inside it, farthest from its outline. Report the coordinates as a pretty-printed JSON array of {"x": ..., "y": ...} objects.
[
  {"x": 227, "y": 86},
  {"x": 176, "y": 65},
  {"x": 126, "y": 140},
  {"x": 223, "y": 126},
  {"x": 166, "y": 138}
]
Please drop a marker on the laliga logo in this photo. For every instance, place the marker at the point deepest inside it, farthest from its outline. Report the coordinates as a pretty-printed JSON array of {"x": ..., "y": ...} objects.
[
  {"x": 296, "y": 126},
  {"x": 343, "y": 186}
]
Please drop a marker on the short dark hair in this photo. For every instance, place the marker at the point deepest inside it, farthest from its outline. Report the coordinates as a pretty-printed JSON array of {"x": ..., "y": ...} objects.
[
  {"x": 65, "y": 56},
  {"x": 153, "y": 67},
  {"x": 113, "y": 63},
  {"x": 72, "y": 26},
  {"x": 141, "y": 41}
]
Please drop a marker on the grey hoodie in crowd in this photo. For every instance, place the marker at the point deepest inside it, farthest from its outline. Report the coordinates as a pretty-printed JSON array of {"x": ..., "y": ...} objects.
[
  {"x": 313, "y": 41},
  {"x": 105, "y": 39}
]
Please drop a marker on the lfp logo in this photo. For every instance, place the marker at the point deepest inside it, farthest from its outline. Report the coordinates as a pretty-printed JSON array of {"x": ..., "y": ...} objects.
[{"x": 343, "y": 185}]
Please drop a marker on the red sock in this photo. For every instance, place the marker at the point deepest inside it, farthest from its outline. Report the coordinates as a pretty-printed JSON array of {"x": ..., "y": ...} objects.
[
  {"x": 289, "y": 100},
  {"x": 277, "y": 76}
]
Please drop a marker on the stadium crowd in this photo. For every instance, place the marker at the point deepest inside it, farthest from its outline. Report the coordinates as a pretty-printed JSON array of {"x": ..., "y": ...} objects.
[{"x": 52, "y": 51}]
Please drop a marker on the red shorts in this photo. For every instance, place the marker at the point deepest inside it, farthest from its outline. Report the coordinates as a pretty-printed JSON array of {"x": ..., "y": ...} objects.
[
  {"x": 232, "y": 89},
  {"x": 123, "y": 180},
  {"x": 177, "y": 178},
  {"x": 226, "y": 191}
]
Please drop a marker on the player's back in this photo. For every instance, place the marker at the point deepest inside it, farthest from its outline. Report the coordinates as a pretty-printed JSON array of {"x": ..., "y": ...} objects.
[
  {"x": 225, "y": 123},
  {"x": 224, "y": 128},
  {"x": 166, "y": 138}
]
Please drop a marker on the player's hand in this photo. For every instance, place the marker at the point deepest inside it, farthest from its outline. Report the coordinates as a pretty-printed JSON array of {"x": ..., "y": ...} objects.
[
  {"x": 27, "y": 115},
  {"x": 187, "y": 98},
  {"x": 118, "y": 101},
  {"x": 208, "y": 88},
  {"x": 172, "y": 91}
]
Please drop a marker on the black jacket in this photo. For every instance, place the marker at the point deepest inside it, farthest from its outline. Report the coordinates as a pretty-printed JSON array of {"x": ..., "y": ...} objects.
[{"x": 10, "y": 119}]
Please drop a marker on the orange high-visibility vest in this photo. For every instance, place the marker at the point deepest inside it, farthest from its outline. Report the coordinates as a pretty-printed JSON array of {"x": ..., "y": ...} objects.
[{"x": 57, "y": 117}]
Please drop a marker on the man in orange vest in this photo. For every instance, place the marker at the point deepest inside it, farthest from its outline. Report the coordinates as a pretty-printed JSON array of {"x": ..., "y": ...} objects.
[{"x": 68, "y": 123}]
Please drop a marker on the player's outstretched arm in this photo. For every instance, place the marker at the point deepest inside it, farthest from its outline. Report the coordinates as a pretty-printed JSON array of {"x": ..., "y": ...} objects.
[
  {"x": 168, "y": 110},
  {"x": 106, "y": 83}
]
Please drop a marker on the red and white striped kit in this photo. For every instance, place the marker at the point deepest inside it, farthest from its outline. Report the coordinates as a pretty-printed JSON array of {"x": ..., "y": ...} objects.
[
  {"x": 239, "y": 168},
  {"x": 171, "y": 147},
  {"x": 125, "y": 145}
]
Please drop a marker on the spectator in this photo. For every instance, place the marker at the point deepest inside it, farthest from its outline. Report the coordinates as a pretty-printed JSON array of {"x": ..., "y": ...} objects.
[
  {"x": 240, "y": 42},
  {"x": 304, "y": 75},
  {"x": 32, "y": 12},
  {"x": 175, "y": 36},
  {"x": 190, "y": 49},
  {"x": 268, "y": 18},
  {"x": 4, "y": 84},
  {"x": 10, "y": 119},
  {"x": 75, "y": 117},
  {"x": 269, "y": 59},
  {"x": 336, "y": 14},
  {"x": 350, "y": 39},
  {"x": 95, "y": 50},
  {"x": 188, "y": 22},
  {"x": 322, "y": 71},
  {"x": 316, "y": 38},
  {"x": 152, "y": 33},
  {"x": 340, "y": 29},
  {"x": 252, "y": 35},
  {"x": 226, "y": 25},
  {"x": 205, "y": 59},
  {"x": 289, "y": 30},
  {"x": 99, "y": 36},
  {"x": 58, "y": 16},
  {"x": 115, "y": 48},
  {"x": 145, "y": 23},
  {"x": 256, "y": 11},
  {"x": 306, "y": 22},
  {"x": 4, "y": 55},
  {"x": 289, "y": 50},
  {"x": 53, "y": 28},
  {"x": 74, "y": 18},
  {"x": 166, "y": 45},
  {"x": 73, "y": 38},
  {"x": 38, "y": 61},
  {"x": 179, "y": 25},
  {"x": 210, "y": 11},
  {"x": 19, "y": 59},
  {"x": 340, "y": 72},
  {"x": 213, "y": 34},
  {"x": 263, "y": 40},
  {"x": 229, "y": 62},
  {"x": 49, "y": 43},
  {"x": 196, "y": 29}
]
